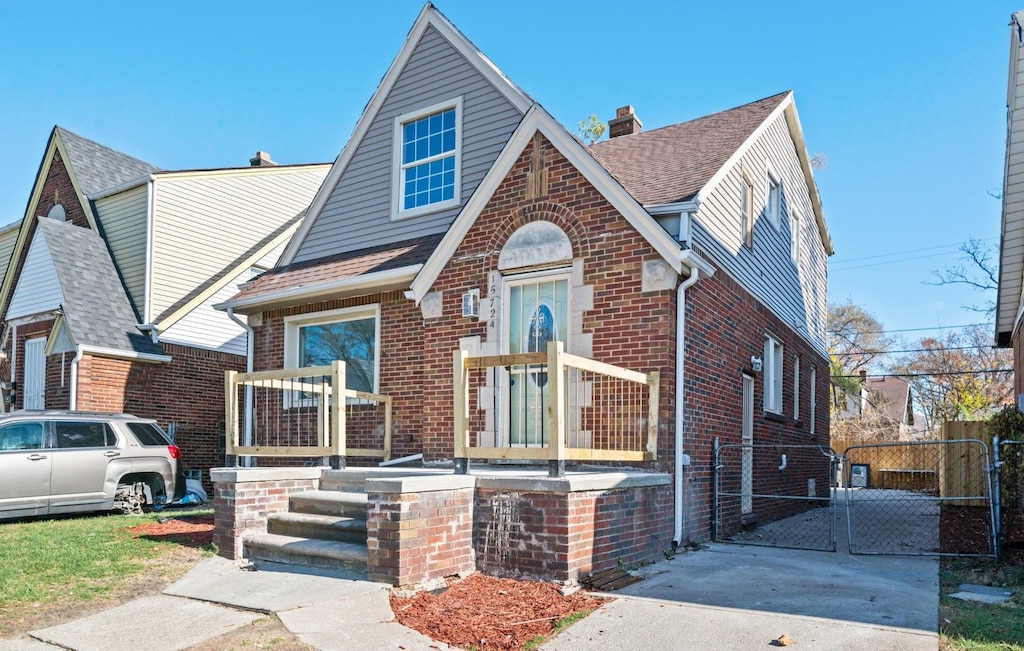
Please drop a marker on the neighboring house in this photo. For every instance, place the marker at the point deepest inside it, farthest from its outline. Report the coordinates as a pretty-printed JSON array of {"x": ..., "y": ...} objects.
[
  {"x": 1010, "y": 302},
  {"x": 698, "y": 250},
  {"x": 881, "y": 411},
  {"x": 106, "y": 298}
]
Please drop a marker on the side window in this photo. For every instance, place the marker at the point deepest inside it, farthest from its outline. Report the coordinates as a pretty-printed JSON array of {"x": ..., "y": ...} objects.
[
  {"x": 149, "y": 434},
  {"x": 21, "y": 436},
  {"x": 83, "y": 435}
]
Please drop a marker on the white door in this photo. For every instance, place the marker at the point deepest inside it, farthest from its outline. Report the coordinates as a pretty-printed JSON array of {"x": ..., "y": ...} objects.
[
  {"x": 35, "y": 374},
  {"x": 537, "y": 312},
  {"x": 747, "y": 459}
]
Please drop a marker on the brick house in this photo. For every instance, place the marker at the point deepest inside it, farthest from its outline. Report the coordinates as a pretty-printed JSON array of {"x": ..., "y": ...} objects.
[
  {"x": 462, "y": 217},
  {"x": 110, "y": 277}
]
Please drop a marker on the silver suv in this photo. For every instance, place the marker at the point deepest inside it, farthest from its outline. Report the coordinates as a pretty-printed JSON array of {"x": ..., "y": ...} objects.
[{"x": 64, "y": 462}]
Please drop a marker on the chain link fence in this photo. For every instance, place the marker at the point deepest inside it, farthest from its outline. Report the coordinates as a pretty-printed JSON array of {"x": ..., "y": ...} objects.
[
  {"x": 1009, "y": 493},
  {"x": 774, "y": 495},
  {"x": 920, "y": 498}
]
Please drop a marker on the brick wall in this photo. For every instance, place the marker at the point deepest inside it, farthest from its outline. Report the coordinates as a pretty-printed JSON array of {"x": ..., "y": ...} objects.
[
  {"x": 244, "y": 498},
  {"x": 559, "y": 536},
  {"x": 187, "y": 393},
  {"x": 416, "y": 537},
  {"x": 725, "y": 327},
  {"x": 400, "y": 352}
]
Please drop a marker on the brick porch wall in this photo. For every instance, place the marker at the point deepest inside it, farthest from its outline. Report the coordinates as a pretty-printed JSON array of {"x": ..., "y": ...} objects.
[{"x": 244, "y": 498}]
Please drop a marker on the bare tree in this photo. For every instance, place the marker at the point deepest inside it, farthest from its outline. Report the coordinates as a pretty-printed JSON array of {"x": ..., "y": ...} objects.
[{"x": 978, "y": 269}]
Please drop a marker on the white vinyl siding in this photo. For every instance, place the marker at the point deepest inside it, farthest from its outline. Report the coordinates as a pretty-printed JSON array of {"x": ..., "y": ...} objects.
[
  {"x": 794, "y": 290},
  {"x": 38, "y": 289},
  {"x": 205, "y": 327},
  {"x": 206, "y": 223},
  {"x": 1011, "y": 268},
  {"x": 8, "y": 238},
  {"x": 358, "y": 212},
  {"x": 123, "y": 219}
]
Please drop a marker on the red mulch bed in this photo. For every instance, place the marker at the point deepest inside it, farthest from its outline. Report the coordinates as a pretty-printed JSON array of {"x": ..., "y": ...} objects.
[
  {"x": 193, "y": 532},
  {"x": 489, "y": 614}
]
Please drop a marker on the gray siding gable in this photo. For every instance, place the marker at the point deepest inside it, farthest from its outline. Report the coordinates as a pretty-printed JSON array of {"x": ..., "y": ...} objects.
[
  {"x": 357, "y": 213},
  {"x": 794, "y": 290}
]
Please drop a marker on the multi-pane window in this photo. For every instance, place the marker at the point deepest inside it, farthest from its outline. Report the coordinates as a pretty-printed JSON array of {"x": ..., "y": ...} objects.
[
  {"x": 427, "y": 150},
  {"x": 747, "y": 211},
  {"x": 772, "y": 375}
]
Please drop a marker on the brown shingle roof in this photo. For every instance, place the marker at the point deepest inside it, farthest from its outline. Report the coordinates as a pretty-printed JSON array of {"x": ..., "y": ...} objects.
[
  {"x": 673, "y": 163},
  {"x": 891, "y": 396},
  {"x": 310, "y": 273}
]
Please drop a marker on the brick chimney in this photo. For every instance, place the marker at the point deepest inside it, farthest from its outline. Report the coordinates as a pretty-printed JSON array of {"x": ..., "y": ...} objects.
[
  {"x": 625, "y": 123},
  {"x": 261, "y": 159}
]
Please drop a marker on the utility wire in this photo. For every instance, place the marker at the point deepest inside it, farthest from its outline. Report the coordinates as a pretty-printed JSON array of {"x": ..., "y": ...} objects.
[
  {"x": 882, "y": 332},
  {"x": 918, "y": 350},
  {"x": 937, "y": 373},
  {"x": 908, "y": 251}
]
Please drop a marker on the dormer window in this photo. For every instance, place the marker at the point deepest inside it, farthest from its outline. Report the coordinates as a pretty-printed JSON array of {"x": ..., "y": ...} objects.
[{"x": 427, "y": 159}]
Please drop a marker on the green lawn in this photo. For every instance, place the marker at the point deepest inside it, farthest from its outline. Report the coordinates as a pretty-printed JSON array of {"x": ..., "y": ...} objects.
[
  {"x": 77, "y": 558},
  {"x": 973, "y": 626}
]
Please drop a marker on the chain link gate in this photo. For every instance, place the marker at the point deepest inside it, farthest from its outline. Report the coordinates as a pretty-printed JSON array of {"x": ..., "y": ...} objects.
[
  {"x": 1008, "y": 493},
  {"x": 774, "y": 495},
  {"x": 920, "y": 498}
]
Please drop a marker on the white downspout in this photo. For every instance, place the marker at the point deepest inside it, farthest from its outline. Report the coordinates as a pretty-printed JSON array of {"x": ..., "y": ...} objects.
[
  {"x": 249, "y": 349},
  {"x": 680, "y": 397},
  {"x": 73, "y": 401}
]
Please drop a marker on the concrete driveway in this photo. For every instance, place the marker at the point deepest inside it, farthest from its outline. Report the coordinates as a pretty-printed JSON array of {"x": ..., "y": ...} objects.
[{"x": 731, "y": 596}]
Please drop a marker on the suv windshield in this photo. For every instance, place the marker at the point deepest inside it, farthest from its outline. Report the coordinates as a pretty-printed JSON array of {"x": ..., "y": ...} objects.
[{"x": 148, "y": 434}]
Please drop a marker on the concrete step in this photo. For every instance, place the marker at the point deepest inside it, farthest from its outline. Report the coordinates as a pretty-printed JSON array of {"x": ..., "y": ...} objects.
[
  {"x": 342, "y": 504},
  {"x": 330, "y": 554},
  {"x": 321, "y": 527},
  {"x": 354, "y": 479}
]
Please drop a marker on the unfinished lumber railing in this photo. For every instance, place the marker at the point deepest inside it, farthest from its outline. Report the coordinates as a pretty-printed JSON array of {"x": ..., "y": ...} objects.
[
  {"x": 304, "y": 413},
  {"x": 552, "y": 406}
]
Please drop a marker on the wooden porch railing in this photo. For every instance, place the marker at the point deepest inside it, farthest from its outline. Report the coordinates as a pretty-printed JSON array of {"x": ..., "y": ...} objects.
[
  {"x": 592, "y": 411},
  {"x": 304, "y": 412}
]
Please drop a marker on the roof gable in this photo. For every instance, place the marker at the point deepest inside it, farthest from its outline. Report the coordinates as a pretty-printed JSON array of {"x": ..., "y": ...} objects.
[
  {"x": 1009, "y": 306},
  {"x": 96, "y": 310},
  {"x": 38, "y": 289},
  {"x": 686, "y": 161},
  {"x": 429, "y": 19},
  {"x": 538, "y": 120}
]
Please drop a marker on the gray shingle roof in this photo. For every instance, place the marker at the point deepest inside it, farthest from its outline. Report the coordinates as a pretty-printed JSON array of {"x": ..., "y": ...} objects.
[
  {"x": 673, "y": 163},
  {"x": 97, "y": 167},
  {"x": 96, "y": 308}
]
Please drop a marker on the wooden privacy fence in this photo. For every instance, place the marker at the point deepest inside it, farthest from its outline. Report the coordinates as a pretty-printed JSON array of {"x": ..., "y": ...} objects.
[
  {"x": 304, "y": 412},
  {"x": 965, "y": 467},
  {"x": 583, "y": 410}
]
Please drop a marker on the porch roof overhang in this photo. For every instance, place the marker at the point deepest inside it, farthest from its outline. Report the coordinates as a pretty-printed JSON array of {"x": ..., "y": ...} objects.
[
  {"x": 380, "y": 281},
  {"x": 377, "y": 269}
]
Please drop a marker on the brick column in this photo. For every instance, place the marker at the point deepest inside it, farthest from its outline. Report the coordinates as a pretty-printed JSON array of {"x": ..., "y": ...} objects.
[
  {"x": 244, "y": 497},
  {"x": 419, "y": 529}
]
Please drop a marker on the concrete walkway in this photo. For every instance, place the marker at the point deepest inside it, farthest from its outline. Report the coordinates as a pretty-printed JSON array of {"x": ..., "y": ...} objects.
[{"x": 723, "y": 597}]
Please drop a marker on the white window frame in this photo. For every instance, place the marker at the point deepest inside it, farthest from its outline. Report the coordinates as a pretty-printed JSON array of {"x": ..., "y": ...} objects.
[
  {"x": 293, "y": 323},
  {"x": 796, "y": 387},
  {"x": 814, "y": 396},
  {"x": 773, "y": 369},
  {"x": 773, "y": 205},
  {"x": 794, "y": 234},
  {"x": 397, "y": 178},
  {"x": 746, "y": 210}
]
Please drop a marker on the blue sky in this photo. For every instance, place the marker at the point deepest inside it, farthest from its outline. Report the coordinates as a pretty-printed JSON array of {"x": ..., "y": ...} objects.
[{"x": 907, "y": 100}]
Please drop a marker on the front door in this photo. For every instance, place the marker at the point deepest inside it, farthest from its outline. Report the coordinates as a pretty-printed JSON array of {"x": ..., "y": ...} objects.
[
  {"x": 537, "y": 312},
  {"x": 747, "y": 453},
  {"x": 35, "y": 373}
]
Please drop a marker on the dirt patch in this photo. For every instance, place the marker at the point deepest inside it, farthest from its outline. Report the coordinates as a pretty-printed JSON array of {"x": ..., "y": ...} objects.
[
  {"x": 263, "y": 633},
  {"x": 486, "y": 613}
]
